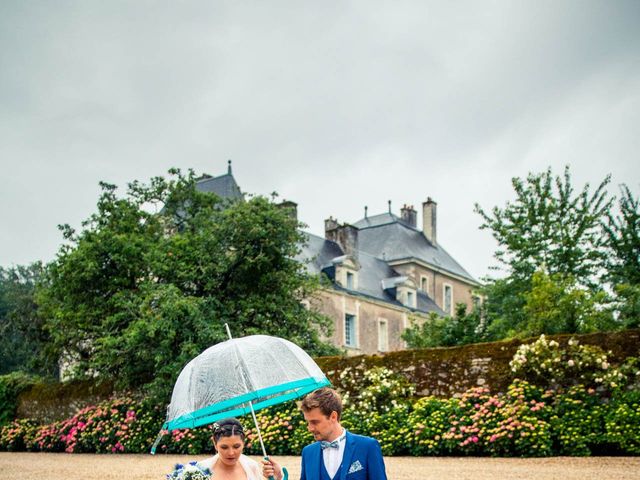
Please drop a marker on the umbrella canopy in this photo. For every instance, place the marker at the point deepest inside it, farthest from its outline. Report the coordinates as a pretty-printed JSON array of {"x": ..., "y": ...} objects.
[{"x": 230, "y": 378}]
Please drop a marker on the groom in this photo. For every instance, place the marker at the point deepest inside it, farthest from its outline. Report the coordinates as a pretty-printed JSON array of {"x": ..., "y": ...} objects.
[{"x": 336, "y": 454}]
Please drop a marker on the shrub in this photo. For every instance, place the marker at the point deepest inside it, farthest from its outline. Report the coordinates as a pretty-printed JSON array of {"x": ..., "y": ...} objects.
[
  {"x": 577, "y": 421},
  {"x": 427, "y": 425},
  {"x": 511, "y": 424},
  {"x": 546, "y": 364},
  {"x": 11, "y": 385},
  {"x": 15, "y": 436},
  {"x": 283, "y": 430},
  {"x": 622, "y": 422}
]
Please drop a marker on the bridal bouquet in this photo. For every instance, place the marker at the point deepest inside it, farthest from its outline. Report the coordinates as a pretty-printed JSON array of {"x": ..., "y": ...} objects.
[{"x": 190, "y": 471}]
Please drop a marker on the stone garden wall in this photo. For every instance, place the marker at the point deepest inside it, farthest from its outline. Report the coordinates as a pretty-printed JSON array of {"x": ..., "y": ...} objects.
[
  {"x": 442, "y": 372},
  {"x": 448, "y": 372}
]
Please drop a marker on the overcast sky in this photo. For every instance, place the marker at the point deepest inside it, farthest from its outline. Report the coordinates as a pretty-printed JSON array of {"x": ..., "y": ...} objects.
[{"x": 334, "y": 105}]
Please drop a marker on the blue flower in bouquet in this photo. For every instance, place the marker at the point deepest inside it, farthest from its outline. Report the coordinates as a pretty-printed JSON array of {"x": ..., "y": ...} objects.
[{"x": 190, "y": 471}]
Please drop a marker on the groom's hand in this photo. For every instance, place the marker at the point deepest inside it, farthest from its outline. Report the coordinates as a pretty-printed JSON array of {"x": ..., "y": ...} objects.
[{"x": 270, "y": 468}]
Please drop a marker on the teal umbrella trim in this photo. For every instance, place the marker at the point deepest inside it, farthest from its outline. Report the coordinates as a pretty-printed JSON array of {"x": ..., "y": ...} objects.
[{"x": 211, "y": 413}]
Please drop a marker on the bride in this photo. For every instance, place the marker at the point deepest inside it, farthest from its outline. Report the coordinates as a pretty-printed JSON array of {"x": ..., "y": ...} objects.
[{"x": 229, "y": 463}]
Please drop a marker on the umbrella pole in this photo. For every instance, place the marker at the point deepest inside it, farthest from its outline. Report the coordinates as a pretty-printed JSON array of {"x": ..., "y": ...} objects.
[
  {"x": 255, "y": 421},
  {"x": 253, "y": 413}
]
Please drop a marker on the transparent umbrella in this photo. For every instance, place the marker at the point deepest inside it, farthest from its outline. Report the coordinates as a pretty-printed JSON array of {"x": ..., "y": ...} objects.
[{"x": 239, "y": 376}]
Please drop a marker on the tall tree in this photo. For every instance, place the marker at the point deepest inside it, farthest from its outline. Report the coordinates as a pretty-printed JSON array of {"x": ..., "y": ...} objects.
[
  {"x": 623, "y": 238},
  {"x": 550, "y": 227},
  {"x": 153, "y": 276},
  {"x": 24, "y": 341},
  {"x": 623, "y": 264}
]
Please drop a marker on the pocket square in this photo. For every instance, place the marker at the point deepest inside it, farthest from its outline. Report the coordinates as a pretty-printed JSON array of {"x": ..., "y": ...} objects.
[{"x": 355, "y": 467}]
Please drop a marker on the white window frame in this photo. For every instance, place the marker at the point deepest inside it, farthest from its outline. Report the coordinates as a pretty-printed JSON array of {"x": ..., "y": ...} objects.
[
  {"x": 424, "y": 280},
  {"x": 411, "y": 299},
  {"x": 350, "y": 276},
  {"x": 354, "y": 333},
  {"x": 476, "y": 301},
  {"x": 383, "y": 342},
  {"x": 444, "y": 298}
]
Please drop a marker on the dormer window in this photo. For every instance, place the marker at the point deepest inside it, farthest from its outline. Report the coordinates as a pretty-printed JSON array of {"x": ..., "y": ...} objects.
[
  {"x": 411, "y": 299},
  {"x": 346, "y": 271},
  {"x": 404, "y": 289}
]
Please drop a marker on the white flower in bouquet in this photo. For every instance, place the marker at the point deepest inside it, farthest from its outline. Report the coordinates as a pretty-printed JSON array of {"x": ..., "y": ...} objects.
[{"x": 190, "y": 471}]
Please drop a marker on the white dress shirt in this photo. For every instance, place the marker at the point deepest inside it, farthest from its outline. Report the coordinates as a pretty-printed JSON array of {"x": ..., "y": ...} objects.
[{"x": 333, "y": 456}]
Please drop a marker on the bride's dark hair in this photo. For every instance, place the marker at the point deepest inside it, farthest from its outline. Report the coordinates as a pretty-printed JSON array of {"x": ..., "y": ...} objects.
[{"x": 227, "y": 428}]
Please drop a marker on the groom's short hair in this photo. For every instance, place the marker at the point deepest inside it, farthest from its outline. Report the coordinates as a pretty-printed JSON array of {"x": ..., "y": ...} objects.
[{"x": 326, "y": 399}]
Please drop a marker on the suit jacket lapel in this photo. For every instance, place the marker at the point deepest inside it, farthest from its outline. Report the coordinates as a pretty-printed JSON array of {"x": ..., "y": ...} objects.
[
  {"x": 349, "y": 449},
  {"x": 319, "y": 459}
]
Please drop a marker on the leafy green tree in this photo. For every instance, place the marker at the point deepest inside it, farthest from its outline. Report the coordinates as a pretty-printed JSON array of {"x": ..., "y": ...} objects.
[
  {"x": 153, "y": 276},
  {"x": 424, "y": 333},
  {"x": 555, "y": 304},
  {"x": 549, "y": 226},
  {"x": 627, "y": 305},
  {"x": 24, "y": 341},
  {"x": 622, "y": 233},
  {"x": 461, "y": 329}
]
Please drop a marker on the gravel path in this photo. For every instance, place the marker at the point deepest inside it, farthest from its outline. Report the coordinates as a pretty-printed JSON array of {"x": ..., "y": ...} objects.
[{"x": 60, "y": 466}]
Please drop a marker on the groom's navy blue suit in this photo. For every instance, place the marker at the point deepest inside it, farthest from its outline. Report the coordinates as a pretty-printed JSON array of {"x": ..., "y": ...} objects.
[{"x": 362, "y": 460}]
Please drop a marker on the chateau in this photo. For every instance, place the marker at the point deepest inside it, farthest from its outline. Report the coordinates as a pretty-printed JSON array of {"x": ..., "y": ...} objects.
[{"x": 383, "y": 271}]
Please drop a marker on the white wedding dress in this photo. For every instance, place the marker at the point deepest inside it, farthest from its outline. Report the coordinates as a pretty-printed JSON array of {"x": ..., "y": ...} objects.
[{"x": 250, "y": 467}]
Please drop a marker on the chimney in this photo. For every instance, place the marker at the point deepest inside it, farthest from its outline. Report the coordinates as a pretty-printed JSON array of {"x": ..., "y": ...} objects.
[
  {"x": 344, "y": 235},
  {"x": 429, "y": 220},
  {"x": 291, "y": 207},
  {"x": 330, "y": 224},
  {"x": 409, "y": 215}
]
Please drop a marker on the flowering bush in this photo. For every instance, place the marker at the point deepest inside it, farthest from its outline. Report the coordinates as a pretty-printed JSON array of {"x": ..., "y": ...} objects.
[
  {"x": 427, "y": 424},
  {"x": 283, "y": 431},
  {"x": 378, "y": 400},
  {"x": 15, "y": 436},
  {"x": 547, "y": 364},
  {"x": 377, "y": 389},
  {"x": 510, "y": 424},
  {"x": 577, "y": 421},
  {"x": 526, "y": 420},
  {"x": 622, "y": 422}
]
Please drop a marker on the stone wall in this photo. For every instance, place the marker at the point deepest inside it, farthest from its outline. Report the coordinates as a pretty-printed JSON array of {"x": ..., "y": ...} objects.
[
  {"x": 443, "y": 372},
  {"x": 447, "y": 372},
  {"x": 49, "y": 402}
]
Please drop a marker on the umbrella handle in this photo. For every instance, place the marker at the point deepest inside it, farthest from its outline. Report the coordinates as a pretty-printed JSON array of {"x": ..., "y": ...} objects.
[{"x": 285, "y": 473}]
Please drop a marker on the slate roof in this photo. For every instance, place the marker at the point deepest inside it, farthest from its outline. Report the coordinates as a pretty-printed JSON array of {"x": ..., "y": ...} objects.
[
  {"x": 388, "y": 237},
  {"x": 224, "y": 186},
  {"x": 318, "y": 254}
]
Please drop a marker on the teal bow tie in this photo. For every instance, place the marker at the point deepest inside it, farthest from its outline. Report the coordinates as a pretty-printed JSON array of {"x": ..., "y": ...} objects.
[{"x": 333, "y": 444}]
